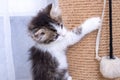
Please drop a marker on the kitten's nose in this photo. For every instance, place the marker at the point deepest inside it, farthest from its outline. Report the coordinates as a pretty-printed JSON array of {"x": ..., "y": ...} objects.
[{"x": 63, "y": 35}]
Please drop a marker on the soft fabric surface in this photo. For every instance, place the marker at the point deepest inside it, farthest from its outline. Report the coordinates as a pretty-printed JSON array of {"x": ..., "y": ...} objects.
[{"x": 110, "y": 68}]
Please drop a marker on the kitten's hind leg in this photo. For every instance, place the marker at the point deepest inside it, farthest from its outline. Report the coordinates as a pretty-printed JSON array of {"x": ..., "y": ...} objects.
[{"x": 69, "y": 78}]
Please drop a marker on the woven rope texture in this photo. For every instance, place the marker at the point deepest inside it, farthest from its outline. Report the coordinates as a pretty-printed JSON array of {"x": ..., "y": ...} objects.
[{"x": 81, "y": 57}]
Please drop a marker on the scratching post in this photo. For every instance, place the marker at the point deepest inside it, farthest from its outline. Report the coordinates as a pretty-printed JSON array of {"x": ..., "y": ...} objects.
[{"x": 82, "y": 64}]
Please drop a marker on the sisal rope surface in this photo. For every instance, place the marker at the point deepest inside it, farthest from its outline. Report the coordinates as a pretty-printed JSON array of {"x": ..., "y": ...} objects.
[{"x": 81, "y": 57}]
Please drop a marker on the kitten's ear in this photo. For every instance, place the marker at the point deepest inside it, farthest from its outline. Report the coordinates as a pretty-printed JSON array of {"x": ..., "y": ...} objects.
[
  {"x": 48, "y": 9},
  {"x": 54, "y": 12}
]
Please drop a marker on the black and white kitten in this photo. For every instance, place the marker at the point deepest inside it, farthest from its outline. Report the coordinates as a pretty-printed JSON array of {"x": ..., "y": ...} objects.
[{"x": 48, "y": 55}]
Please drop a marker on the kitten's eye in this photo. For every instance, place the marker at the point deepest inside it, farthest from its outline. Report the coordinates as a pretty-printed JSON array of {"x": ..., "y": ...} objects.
[
  {"x": 61, "y": 25},
  {"x": 58, "y": 23},
  {"x": 42, "y": 33}
]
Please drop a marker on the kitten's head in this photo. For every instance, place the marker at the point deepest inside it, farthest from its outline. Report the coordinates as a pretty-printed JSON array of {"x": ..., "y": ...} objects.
[{"x": 45, "y": 27}]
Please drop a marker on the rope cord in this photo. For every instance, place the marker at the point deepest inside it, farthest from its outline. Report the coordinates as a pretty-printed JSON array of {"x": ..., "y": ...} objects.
[
  {"x": 99, "y": 32},
  {"x": 110, "y": 30}
]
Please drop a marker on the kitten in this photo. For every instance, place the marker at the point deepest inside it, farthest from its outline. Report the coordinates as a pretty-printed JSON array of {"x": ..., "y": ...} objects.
[{"x": 48, "y": 55}]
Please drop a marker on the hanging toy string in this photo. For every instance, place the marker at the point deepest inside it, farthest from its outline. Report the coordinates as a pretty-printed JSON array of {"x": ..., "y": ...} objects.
[
  {"x": 109, "y": 65},
  {"x": 110, "y": 28},
  {"x": 99, "y": 32}
]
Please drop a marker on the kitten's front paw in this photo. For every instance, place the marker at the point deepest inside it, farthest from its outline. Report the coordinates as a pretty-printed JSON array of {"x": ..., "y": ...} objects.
[
  {"x": 94, "y": 22},
  {"x": 91, "y": 24}
]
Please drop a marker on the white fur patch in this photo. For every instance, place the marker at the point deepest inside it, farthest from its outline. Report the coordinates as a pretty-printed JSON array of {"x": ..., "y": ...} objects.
[
  {"x": 110, "y": 68},
  {"x": 57, "y": 50},
  {"x": 90, "y": 25}
]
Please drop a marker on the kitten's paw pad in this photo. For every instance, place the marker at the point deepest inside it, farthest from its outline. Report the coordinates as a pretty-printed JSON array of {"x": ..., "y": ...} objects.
[{"x": 69, "y": 78}]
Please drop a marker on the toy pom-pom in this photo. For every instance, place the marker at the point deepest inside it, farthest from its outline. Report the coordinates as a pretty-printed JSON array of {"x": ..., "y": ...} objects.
[{"x": 110, "y": 68}]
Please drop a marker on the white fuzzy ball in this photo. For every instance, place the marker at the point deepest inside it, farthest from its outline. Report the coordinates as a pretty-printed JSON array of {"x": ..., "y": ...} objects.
[{"x": 110, "y": 68}]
